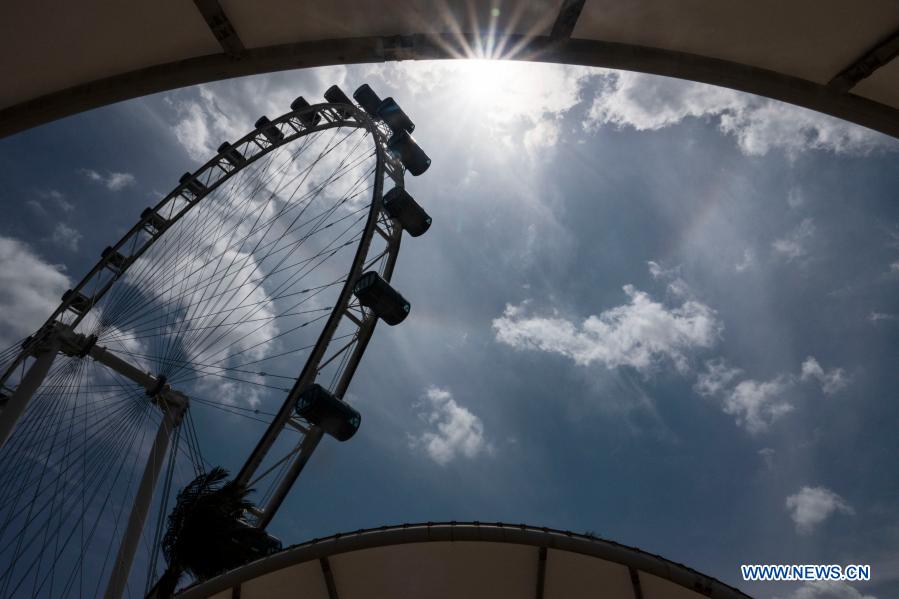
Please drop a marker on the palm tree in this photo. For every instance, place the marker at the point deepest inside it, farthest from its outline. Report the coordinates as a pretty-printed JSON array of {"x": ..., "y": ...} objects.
[{"x": 206, "y": 535}]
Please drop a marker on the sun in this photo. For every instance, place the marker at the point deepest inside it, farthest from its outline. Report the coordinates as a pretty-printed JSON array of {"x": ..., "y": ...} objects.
[{"x": 482, "y": 79}]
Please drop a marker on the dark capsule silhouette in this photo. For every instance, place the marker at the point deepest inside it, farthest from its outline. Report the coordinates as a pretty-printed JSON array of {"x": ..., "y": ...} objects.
[
  {"x": 335, "y": 95},
  {"x": 403, "y": 207},
  {"x": 367, "y": 99},
  {"x": 231, "y": 154},
  {"x": 391, "y": 113},
  {"x": 307, "y": 117},
  {"x": 322, "y": 408},
  {"x": 269, "y": 130},
  {"x": 376, "y": 294},
  {"x": 410, "y": 153},
  {"x": 191, "y": 183}
]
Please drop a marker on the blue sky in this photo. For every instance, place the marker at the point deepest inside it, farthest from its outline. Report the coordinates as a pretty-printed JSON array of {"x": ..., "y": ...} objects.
[{"x": 660, "y": 311}]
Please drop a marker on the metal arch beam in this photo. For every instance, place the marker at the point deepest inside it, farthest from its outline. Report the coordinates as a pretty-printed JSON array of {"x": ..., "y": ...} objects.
[
  {"x": 221, "y": 27},
  {"x": 635, "y": 582},
  {"x": 878, "y": 56},
  {"x": 191, "y": 71},
  {"x": 329, "y": 578},
  {"x": 541, "y": 572},
  {"x": 569, "y": 13}
]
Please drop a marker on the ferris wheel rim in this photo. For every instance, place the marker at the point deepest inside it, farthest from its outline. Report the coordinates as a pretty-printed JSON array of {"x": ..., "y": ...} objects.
[{"x": 336, "y": 116}]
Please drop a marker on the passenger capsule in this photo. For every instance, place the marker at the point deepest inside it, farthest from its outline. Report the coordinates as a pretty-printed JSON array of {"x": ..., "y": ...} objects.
[
  {"x": 376, "y": 294},
  {"x": 335, "y": 95},
  {"x": 322, "y": 408},
  {"x": 403, "y": 207},
  {"x": 393, "y": 115},
  {"x": 190, "y": 182},
  {"x": 232, "y": 155},
  {"x": 78, "y": 302},
  {"x": 410, "y": 153},
  {"x": 307, "y": 117},
  {"x": 269, "y": 130},
  {"x": 367, "y": 99},
  {"x": 154, "y": 223},
  {"x": 115, "y": 260}
]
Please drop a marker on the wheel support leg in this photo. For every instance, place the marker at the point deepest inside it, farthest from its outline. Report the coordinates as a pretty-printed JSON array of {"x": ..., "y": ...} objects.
[
  {"x": 122, "y": 566},
  {"x": 30, "y": 383}
]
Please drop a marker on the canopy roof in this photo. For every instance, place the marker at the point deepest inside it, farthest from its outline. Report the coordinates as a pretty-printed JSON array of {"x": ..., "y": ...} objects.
[
  {"x": 830, "y": 55},
  {"x": 472, "y": 560}
]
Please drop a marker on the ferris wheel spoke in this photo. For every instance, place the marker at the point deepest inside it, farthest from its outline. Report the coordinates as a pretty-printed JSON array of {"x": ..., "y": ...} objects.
[
  {"x": 232, "y": 245},
  {"x": 101, "y": 431},
  {"x": 213, "y": 281},
  {"x": 150, "y": 269},
  {"x": 96, "y": 477},
  {"x": 297, "y": 277},
  {"x": 275, "y": 267}
]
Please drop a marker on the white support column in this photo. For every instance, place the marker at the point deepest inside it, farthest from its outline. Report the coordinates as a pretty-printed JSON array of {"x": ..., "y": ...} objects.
[
  {"x": 18, "y": 401},
  {"x": 173, "y": 405}
]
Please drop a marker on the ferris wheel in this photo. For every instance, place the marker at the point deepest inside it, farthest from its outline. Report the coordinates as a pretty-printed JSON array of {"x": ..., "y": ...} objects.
[{"x": 256, "y": 282}]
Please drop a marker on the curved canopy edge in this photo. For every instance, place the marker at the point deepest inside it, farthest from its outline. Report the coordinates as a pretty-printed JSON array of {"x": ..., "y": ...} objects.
[
  {"x": 158, "y": 78},
  {"x": 514, "y": 534}
]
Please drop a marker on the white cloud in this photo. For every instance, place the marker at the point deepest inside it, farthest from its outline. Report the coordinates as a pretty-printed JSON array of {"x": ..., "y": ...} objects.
[
  {"x": 66, "y": 237},
  {"x": 649, "y": 102},
  {"x": 828, "y": 589},
  {"x": 811, "y": 506},
  {"x": 64, "y": 205},
  {"x": 882, "y": 316},
  {"x": 795, "y": 198},
  {"x": 455, "y": 430},
  {"x": 544, "y": 134},
  {"x": 894, "y": 267},
  {"x": 58, "y": 198},
  {"x": 208, "y": 121},
  {"x": 716, "y": 378},
  {"x": 795, "y": 244},
  {"x": 754, "y": 404},
  {"x": 831, "y": 380},
  {"x": 112, "y": 181},
  {"x": 676, "y": 285},
  {"x": 639, "y": 334},
  {"x": 29, "y": 290},
  {"x": 36, "y": 206},
  {"x": 757, "y": 404},
  {"x": 747, "y": 262}
]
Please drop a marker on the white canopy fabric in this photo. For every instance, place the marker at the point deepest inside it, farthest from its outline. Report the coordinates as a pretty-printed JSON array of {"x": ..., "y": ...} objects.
[
  {"x": 834, "y": 56},
  {"x": 470, "y": 560}
]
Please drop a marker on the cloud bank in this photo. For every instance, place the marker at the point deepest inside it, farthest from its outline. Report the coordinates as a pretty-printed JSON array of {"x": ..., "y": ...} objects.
[
  {"x": 640, "y": 334},
  {"x": 759, "y": 126},
  {"x": 30, "y": 289}
]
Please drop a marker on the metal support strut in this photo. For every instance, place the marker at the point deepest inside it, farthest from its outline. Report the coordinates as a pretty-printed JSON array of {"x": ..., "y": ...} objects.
[{"x": 44, "y": 352}]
